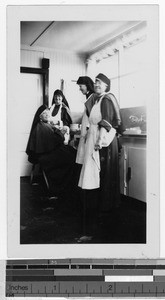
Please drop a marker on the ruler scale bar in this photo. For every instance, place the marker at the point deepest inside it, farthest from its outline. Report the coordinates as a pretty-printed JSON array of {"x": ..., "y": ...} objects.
[
  {"x": 85, "y": 272},
  {"x": 85, "y": 288},
  {"x": 16, "y": 267},
  {"x": 80, "y": 266},
  {"x": 158, "y": 272},
  {"x": 129, "y": 278},
  {"x": 54, "y": 272},
  {"x": 58, "y": 266},
  {"x": 102, "y": 266},
  {"x": 85, "y": 278},
  {"x": 128, "y": 272},
  {"x": 147, "y": 295},
  {"x": 29, "y": 272},
  {"x": 159, "y": 278},
  {"x": 55, "y": 278},
  {"x": 84, "y": 266},
  {"x": 89, "y": 261}
]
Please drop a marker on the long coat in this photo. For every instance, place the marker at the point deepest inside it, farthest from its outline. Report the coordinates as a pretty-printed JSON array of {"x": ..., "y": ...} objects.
[
  {"x": 109, "y": 190},
  {"x": 45, "y": 146}
]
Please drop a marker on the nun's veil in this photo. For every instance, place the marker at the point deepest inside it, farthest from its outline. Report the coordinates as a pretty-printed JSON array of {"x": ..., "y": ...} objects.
[{"x": 60, "y": 93}]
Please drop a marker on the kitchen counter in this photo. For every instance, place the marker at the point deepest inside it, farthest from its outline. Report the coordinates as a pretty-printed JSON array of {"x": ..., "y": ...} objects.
[
  {"x": 128, "y": 135},
  {"x": 133, "y": 165}
]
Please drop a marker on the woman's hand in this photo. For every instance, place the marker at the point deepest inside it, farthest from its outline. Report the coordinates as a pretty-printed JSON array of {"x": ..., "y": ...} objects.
[
  {"x": 99, "y": 140},
  {"x": 63, "y": 130},
  {"x": 98, "y": 145},
  {"x": 85, "y": 135}
]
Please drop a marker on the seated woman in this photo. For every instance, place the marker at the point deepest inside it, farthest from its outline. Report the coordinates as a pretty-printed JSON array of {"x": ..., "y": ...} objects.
[
  {"x": 46, "y": 117},
  {"x": 46, "y": 147}
]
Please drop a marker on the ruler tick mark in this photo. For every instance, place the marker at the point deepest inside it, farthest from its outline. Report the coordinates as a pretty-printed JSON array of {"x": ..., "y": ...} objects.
[{"x": 100, "y": 289}]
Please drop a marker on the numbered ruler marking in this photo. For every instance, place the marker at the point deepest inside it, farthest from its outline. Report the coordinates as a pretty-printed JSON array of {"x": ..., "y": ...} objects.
[
  {"x": 85, "y": 288},
  {"x": 85, "y": 277}
]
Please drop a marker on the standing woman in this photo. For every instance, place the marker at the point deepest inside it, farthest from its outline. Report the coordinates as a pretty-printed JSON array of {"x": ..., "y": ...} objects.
[
  {"x": 60, "y": 109},
  {"x": 100, "y": 170},
  {"x": 86, "y": 86}
]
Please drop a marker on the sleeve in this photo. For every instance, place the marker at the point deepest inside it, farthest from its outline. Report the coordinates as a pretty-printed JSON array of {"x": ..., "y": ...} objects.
[
  {"x": 66, "y": 117},
  {"x": 107, "y": 112},
  {"x": 58, "y": 133}
]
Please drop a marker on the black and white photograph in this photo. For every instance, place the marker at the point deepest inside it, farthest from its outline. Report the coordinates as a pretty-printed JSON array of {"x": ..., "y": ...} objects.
[{"x": 83, "y": 154}]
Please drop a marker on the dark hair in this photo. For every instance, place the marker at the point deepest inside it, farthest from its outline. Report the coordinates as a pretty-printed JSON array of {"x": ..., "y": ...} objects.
[
  {"x": 60, "y": 93},
  {"x": 86, "y": 81}
]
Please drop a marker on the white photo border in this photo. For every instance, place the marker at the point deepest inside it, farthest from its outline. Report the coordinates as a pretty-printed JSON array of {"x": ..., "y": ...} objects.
[{"x": 16, "y": 14}]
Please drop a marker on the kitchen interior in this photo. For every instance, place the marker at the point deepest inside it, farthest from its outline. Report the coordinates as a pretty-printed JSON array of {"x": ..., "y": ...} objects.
[{"x": 52, "y": 56}]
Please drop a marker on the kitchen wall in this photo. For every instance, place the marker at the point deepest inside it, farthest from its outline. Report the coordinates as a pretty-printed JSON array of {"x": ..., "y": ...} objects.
[
  {"x": 65, "y": 67},
  {"x": 125, "y": 61}
]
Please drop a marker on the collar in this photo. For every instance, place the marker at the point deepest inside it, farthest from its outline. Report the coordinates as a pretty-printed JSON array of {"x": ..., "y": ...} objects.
[{"x": 88, "y": 94}]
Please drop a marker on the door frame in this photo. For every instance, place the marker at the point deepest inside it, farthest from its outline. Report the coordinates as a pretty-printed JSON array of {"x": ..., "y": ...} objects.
[{"x": 45, "y": 75}]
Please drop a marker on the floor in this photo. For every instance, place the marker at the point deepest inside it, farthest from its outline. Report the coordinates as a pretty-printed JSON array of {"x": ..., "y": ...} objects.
[{"x": 55, "y": 221}]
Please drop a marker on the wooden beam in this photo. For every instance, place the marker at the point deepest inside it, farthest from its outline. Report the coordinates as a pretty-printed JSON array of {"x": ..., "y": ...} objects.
[
  {"x": 45, "y": 74},
  {"x": 32, "y": 70}
]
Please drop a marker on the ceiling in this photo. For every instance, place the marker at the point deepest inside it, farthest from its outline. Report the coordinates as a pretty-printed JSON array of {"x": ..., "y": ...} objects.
[{"x": 83, "y": 37}]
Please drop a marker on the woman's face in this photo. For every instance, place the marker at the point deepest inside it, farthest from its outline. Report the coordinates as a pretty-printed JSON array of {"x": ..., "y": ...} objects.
[
  {"x": 83, "y": 88},
  {"x": 99, "y": 86},
  {"x": 58, "y": 99},
  {"x": 45, "y": 115}
]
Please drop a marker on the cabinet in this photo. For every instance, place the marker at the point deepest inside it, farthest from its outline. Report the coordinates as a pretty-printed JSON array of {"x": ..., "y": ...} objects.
[{"x": 133, "y": 166}]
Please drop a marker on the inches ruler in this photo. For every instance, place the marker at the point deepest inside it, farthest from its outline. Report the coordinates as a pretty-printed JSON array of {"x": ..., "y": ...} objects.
[{"x": 85, "y": 278}]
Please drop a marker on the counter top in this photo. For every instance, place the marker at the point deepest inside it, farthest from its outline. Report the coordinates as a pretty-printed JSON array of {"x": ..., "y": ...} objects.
[{"x": 135, "y": 135}]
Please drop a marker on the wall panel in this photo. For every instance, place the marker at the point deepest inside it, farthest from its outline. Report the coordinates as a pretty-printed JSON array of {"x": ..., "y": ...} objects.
[{"x": 64, "y": 66}]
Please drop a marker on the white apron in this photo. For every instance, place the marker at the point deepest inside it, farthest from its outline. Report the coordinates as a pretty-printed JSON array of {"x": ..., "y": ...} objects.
[
  {"x": 57, "y": 118},
  {"x": 90, "y": 172},
  {"x": 81, "y": 145}
]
